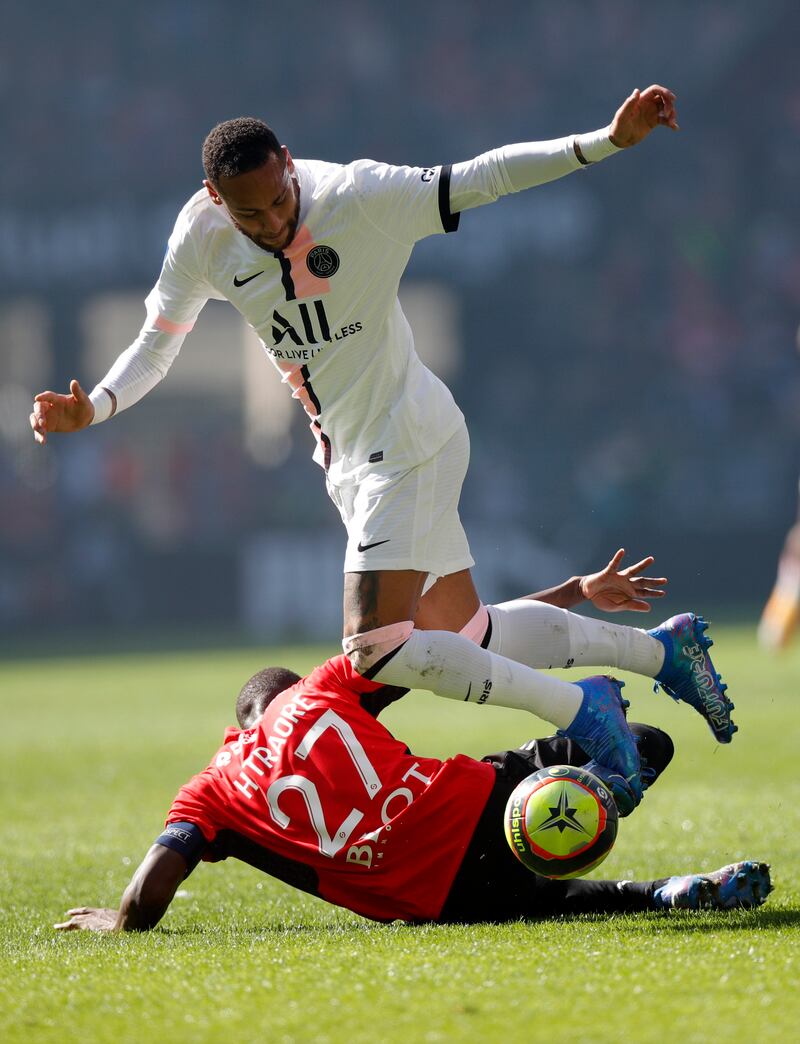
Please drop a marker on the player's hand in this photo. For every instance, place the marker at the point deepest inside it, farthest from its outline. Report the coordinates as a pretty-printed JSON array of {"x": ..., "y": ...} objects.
[
  {"x": 614, "y": 590},
  {"x": 54, "y": 412},
  {"x": 640, "y": 113},
  {"x": 89, "y": 919}
]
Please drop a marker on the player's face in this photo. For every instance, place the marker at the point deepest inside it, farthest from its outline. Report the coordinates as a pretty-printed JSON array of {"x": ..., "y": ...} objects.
[{"x": 264, "y": 203}]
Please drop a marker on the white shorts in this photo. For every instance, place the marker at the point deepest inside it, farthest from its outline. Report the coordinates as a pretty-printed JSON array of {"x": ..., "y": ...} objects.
[{"x": 408, "y": 520}]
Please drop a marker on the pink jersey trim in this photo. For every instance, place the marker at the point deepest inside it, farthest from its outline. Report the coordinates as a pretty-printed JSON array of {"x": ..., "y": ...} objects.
[
  {"x": 172, "y": 328},
  {"x": 475, "y": 629},
  {"x": 297, "y": 382},
  {"x": 292, "y": 376},
  {"x": 305, "y": 283},
  {"x": 302, "y": 396}
]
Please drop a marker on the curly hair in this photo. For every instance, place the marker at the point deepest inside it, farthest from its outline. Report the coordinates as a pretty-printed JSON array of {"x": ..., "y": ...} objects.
[
  {"x": 238, "y": 146},
  {"x": 260, "y": 691}
]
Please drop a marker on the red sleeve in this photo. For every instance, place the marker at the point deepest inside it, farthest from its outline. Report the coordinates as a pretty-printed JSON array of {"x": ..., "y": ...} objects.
[
  {"x": 338, "y": 675},
  {"x": 191, "y": 805}
]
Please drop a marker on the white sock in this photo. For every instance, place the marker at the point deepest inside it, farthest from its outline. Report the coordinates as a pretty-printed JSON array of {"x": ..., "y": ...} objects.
[
  {"x": 542, "y": 635},
  {"x": 453, "y": 666}
]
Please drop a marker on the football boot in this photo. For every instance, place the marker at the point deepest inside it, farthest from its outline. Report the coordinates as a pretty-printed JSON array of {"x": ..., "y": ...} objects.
[
  {"x": 624, "y": 797},
  {"x": 688, "y": 673},
  {"x": 737, "y": 886},
  {"x": 601, "y": 729}
]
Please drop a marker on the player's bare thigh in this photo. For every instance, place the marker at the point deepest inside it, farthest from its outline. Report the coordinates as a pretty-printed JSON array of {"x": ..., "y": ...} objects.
[
  {"x": 387, "y": 596},
  {"x": 450, "y": 604}
]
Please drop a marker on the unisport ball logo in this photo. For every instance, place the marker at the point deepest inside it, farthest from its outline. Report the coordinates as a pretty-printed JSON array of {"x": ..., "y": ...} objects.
[{"x": 561, "y": 822}]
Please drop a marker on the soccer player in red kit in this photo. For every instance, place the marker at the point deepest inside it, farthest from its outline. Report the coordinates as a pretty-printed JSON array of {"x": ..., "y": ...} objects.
[{"x": 313, "y": 790}]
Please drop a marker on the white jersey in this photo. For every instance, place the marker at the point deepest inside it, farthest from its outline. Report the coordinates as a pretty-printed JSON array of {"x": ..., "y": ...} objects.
[{"x": 326, "y": 307}]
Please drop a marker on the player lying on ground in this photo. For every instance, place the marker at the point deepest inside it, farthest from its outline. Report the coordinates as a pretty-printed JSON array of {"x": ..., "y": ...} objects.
[
  {"x": 311, "y": 254},
  {"x": 313, "y": 790}
]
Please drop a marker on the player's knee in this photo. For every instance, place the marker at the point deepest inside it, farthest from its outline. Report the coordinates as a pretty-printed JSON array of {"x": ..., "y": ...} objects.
[
  {"x": 655, "y": 746},
  {"x": 370, "y": 650}
]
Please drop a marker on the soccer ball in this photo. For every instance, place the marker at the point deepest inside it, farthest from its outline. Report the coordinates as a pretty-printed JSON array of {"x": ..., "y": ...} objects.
[{"x": 561, "y": 821}]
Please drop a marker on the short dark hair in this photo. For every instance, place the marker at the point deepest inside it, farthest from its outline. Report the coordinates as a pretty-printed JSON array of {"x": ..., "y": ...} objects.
[
  {"x": 237, "y": 146},
  {"x": 260, "y": 691}
]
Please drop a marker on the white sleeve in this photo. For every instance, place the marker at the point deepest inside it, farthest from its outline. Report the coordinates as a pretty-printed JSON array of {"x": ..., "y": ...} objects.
[
  {"x": 172, "y": 308},
  {"x": 405, "y": 203},
  {"x": 136, "y": 371},
  {"x": 513, "y": 168}
]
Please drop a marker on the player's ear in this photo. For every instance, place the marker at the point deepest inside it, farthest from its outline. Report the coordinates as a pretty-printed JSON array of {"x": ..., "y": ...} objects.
[
  {"x": 215, "y": 196},
  {"x": 289, "y": 160}
]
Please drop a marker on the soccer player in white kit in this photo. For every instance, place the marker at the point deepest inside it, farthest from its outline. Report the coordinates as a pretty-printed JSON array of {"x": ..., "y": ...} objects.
[{"x": 311, "y": 253}]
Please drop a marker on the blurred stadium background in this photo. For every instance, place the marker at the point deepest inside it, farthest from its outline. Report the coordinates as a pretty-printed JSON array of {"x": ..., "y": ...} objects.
[{"x": 623, "y": 342}]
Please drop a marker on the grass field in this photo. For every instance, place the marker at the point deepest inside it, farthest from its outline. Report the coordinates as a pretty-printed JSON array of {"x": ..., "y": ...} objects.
[{"x": 93, "y": 749}]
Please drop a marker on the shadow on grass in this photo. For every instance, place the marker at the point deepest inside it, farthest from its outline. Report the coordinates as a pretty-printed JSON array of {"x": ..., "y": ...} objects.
[
  {"x": 684, "y": 921},
  {"x": 714, "y": 921},
  {"x": 273, "y": 929}
]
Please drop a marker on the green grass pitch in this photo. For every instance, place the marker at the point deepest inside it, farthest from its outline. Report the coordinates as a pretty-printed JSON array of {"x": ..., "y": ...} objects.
[{"x": 93, "y": 749}]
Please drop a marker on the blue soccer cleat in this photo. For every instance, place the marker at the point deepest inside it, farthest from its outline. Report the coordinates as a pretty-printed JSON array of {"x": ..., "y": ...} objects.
[
  {"x": 737, "y": 886},
  {"x": 601, "y": 730},
  {"x": 624, "y": 797},
  {"x": 688, "y": 673}
]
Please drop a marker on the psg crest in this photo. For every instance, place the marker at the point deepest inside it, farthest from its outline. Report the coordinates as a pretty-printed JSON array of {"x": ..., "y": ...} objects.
[{"x": 323, "y": 262}]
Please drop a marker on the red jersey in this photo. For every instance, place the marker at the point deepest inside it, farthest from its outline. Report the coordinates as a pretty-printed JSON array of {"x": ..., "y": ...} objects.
[{"x": 321, "y": 783}]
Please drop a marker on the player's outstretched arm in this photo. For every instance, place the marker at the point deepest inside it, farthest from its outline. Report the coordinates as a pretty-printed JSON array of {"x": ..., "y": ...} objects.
[
  {"x": 642, "y": 112},
  {"x": 55, "y": 412},
  {"x": 144, "y": 902},
  {"x": 613, "y": 590},
  {"x": 514, "y": 168}
]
